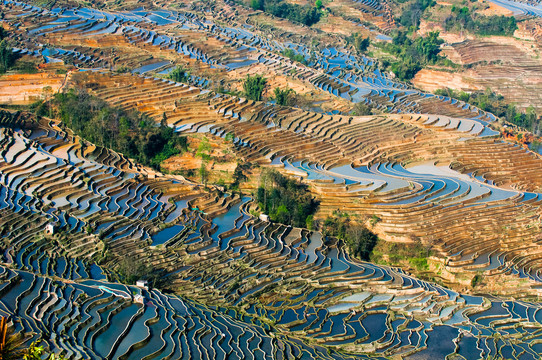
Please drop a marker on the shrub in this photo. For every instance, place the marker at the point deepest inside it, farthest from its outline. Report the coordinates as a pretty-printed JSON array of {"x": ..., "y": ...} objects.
[
  {"x": 412, "y": 55},
  {"x": 128, "y": 132},
  {"x": 284, "y": 97},
  {"x": 361, "y": 109},
  {"x": 359, "y": 240},
  {"x": 306, "y": 14},
  {"x": 179, "y": 74},
  {"x": 254, "y": 86},
  {"x": 289, "y": 53},
  {"x": 419, "y": 263},
  {"x": 476, "y": 280},
  {"x": 489, "y": 101},
  {"x": 463, "y": 19},
  {"x": 285, "y": 200},
  {"x": 360, "y": 43},
  {"x": 6, "y": 56}
]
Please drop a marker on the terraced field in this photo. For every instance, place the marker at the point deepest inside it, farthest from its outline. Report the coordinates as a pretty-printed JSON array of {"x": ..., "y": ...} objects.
[
  {"x": 331, "y": 70},
  {"x": 321, "y": 148},
  {"x": 432, "y": 169},
  {"x": 276, "y": 289}
]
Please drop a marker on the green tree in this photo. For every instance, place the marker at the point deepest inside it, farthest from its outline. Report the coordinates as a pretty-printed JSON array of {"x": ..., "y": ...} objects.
[
  {"x": 285, "y": 200},
  {"x": 254, "y": 87},
  {"x": 257, "y": 4},
  {"x": 129, "y": 132},
  {"x": 179, "y": 74},
  {"x": 289, "y": 53},
  {"x": 203, "y": 173},
  {"x": 6, "y": 56},
  {"x": 361, "y": 109},
  {"x": 204, "y": 149},
  {"x": 305, "y": 14},
  {"x": 360, "y": 43},
  {"x": 284, "y": 97},
  {"x": 360, "y": 241}
]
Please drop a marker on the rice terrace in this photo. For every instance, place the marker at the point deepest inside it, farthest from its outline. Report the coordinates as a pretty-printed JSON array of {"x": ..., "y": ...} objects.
[{"x": 271, "y": 179}]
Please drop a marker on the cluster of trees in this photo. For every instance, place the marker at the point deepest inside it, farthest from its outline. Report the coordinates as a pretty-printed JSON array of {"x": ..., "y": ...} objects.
[
  {"x": 285, "y": 200},
  {"x": 464, "y": 19},
  {"x": 130, "y": 270},
  {"x": 362, "y": 109},
  {"x": 414, "y": 254},
  {"x": 7, "y": 58},
  {"x": 179, "y": 74},
  {"x": 13, "y": 345},
  {"x": 253, "y": 87},
  {"x": 130, "y": 133},
  {"x": 359, "y": 240},
  {"x": 412, "y": 54},
  {"x": 412, "y": 13},
  {"x": 489, "y": 101},
  {"x": 360, "y": 43},
  {"x": 284, "y": 97},
  {"x": 305, "y": 14},
  {"x": 289, "y": 53}
]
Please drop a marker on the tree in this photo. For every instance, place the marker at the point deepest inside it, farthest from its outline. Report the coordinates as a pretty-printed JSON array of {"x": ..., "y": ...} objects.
[
  {"x": 204, "y": 149},
  {"x": 6, "y": 56},
  {"x": 360, "y": 43},
  {"x": 284, "y": 97},
  {"x": 254, "y": 86},
  {"x": 305, "y": 14},
  {"x": 203, "y": 173},
  {"x": 429, "y": 46},
  {"x": 361, "y": 109},
  {"x": 10, "y": 343},
  {"x": 257, "y": 4},
  {"x": 300, "y": 58},
  {"x": 318, "y": 4},
  {"x": 285, "y": 200},
  {"x": 239, "y": 176},
  {"x": 360, "y": 241},
  {"x": 179, "y": 74}
]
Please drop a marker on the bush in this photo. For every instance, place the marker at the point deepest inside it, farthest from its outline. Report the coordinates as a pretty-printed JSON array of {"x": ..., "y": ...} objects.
[
  {"x": 130, "y": 270},
  {"x": 289, "y": 53},
  {"x": 131, "y": 133},
  {"x": 362, "y": 109},
  {"x": 306, "y": 14},
  {"x": 419, "y": 263},
  {"x": 495, "y": 104},
  {"x": 284, "y": 97},
  {"x": 412, "y": 13},
  {"x": 257, "y": 4},
  {"x": 412, "y": 55},
  {"x": 463, "y": 19},
  {"x": 359, "y": 240},
  {"x": 179, "y": 74},
  {"x": 476, "y": 280},
  {"x": 254, "y": 86},
  {"x": 285, "y": 200},
  {"x": 360, "y": 43},
  {"x": 7, "y": 58}
]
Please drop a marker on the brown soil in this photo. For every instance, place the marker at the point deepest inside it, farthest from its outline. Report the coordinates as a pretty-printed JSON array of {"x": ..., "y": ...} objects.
[
  {"x": 510, "y": 67},
  {"x": 431, "y": 80},
  {"x": 23, "y": 89},
  {"x": 493, "y": 9},
  {"x": 221, "y": 165}
]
